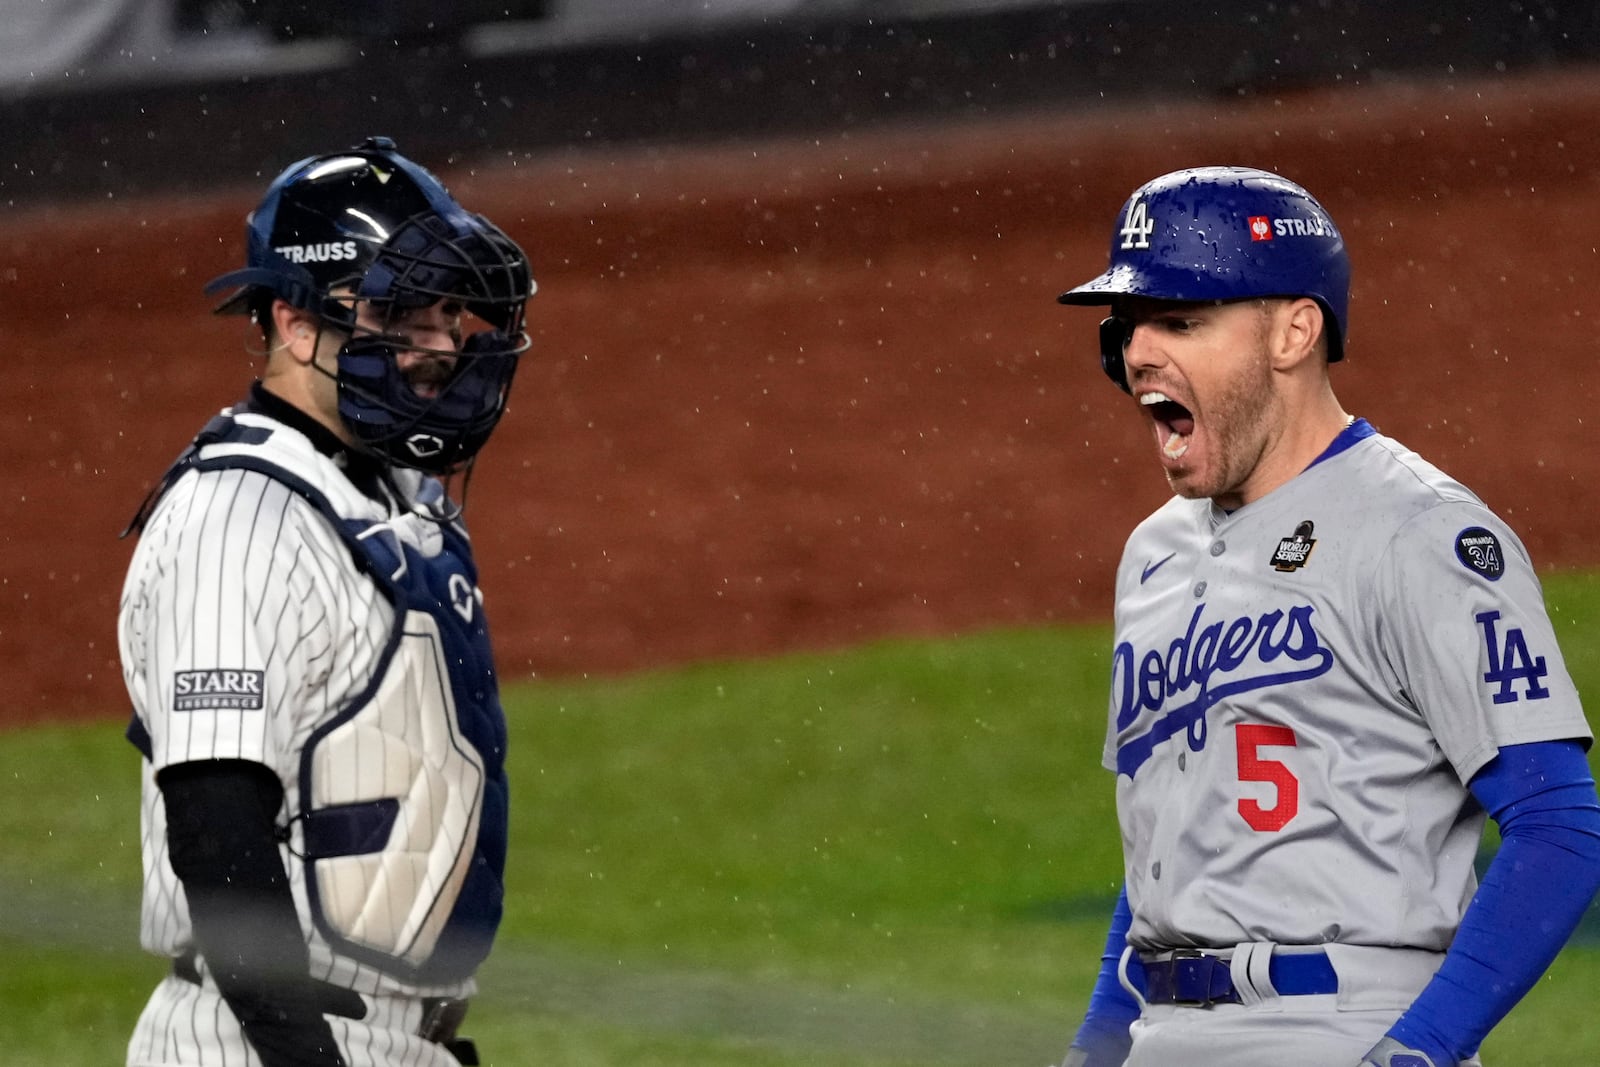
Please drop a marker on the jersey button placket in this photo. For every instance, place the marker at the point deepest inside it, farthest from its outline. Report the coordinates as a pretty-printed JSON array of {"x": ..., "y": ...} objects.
[{"x": 1217, "y": 549}]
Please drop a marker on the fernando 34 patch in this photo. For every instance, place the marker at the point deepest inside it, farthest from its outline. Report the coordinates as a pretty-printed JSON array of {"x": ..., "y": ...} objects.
[{"x": 1479, "y": 550}]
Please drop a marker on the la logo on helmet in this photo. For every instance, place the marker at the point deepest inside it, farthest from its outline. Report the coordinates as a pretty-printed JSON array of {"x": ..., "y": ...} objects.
[{"x": 1138, "y": 226}]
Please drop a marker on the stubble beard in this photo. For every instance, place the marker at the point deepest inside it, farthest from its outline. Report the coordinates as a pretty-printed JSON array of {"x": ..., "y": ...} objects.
[{"x": 1236, "y": 424}]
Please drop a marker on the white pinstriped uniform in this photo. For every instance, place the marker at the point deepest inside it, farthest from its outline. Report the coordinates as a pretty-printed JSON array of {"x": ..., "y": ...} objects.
[{"x": 245, "y": 627}]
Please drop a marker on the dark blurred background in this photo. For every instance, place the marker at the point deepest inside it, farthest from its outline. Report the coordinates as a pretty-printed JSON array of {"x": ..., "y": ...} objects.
[{"x": 109, "y": 98}]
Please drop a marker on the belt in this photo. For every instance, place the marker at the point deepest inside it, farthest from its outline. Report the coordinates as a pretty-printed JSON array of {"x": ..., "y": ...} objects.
[
  {"x": 1199, "y": 979},
  {"x": 441, "y": 1016}
]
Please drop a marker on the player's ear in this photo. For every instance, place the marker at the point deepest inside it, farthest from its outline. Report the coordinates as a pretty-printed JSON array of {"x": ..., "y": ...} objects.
[
  {"x": 1297, "y": 333},
  {"x": 295, "y": 331}
]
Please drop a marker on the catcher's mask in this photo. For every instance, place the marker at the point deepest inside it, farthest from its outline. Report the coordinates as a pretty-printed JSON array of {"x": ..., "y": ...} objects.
[
  {"x": 1219, "y": 233},
  {"x": 370, "y": 227}
]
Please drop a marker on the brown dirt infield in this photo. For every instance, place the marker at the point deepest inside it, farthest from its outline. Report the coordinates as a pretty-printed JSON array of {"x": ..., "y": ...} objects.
[{"x": 801, "y": 394}]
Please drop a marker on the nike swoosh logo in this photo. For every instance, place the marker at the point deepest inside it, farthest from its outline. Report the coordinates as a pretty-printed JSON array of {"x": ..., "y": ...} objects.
[{"x": 1151, "y": 568}]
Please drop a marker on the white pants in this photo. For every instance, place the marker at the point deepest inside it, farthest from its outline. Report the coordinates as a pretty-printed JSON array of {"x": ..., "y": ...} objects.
[
  {"x": 1271, "y": 1030},
  {"x": 192, "y": 1026}
]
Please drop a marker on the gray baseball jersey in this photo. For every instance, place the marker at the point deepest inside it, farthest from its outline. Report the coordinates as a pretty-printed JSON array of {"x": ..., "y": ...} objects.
[
  {"x": 274, "y": 613},
  {"x": 1300, "y": 690}
]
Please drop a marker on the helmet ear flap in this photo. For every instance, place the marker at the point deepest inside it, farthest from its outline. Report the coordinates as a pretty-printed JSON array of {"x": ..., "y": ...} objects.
[{"x": 1115, "y": 333}]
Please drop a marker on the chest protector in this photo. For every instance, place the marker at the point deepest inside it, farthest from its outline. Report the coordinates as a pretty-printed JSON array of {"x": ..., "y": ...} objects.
[{"x": 402, "y": 795}]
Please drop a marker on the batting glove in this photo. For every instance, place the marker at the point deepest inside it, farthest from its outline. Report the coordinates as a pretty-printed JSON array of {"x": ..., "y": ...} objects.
[{"x": 1391, "y": 1053}]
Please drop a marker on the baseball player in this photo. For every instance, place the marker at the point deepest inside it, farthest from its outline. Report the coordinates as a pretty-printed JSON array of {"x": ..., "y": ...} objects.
[
  {"x": 1331, "y": 662},
  {"x": 303, "y": 640}
]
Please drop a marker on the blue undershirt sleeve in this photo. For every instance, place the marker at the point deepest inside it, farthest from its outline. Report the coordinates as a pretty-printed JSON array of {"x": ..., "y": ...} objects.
[
  {"x": 1542, "y": 797},
  {"x": 1104, "y": 1032}
]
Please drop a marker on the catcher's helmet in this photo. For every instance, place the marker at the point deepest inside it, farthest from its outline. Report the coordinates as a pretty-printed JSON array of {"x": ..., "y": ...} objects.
[
  {"x": 370, "y": 225},
  {"x": 1220, "y": 233}
]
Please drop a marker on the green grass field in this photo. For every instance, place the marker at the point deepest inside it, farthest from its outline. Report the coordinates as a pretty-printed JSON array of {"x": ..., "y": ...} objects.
[{"x": 901, "y": 854}]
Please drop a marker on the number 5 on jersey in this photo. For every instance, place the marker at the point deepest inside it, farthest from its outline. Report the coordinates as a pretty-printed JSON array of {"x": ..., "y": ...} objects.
[{"x": 1250, "y": 738}]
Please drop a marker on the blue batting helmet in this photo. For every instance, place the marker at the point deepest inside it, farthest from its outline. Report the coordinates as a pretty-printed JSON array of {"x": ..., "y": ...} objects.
[
  {"x": 370, "y": 225},
  {"x": 1220, "y": 233}
]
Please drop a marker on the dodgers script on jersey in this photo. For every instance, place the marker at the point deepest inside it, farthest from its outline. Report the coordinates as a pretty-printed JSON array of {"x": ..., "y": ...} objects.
[
  {"x": 1310, "y": 680},
  {"x": 276, "y": 614}
]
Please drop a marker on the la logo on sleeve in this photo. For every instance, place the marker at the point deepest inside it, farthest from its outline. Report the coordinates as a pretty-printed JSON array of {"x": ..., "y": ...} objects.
[{"x": 1511, "y": 661}]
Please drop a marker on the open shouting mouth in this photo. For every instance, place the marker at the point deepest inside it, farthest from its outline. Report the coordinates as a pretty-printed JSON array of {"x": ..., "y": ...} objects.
[{"x": 1173, "y": 422}]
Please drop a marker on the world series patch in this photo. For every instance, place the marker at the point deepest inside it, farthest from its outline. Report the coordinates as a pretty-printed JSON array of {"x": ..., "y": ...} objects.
[
  {"x": 1479, "y": 551},
  {"x": 1294, "y": 552}
]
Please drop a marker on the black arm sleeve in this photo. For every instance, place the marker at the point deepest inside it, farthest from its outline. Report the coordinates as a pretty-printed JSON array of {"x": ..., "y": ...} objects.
[{"x": 221, "y": 822}]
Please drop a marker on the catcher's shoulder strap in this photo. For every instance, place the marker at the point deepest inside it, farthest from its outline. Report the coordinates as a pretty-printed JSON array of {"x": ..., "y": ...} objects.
[{"x": 221, "y": 427}]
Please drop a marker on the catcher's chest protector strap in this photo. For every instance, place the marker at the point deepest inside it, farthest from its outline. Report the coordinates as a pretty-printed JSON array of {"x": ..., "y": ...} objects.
[{"x": 401, "y": 808}]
